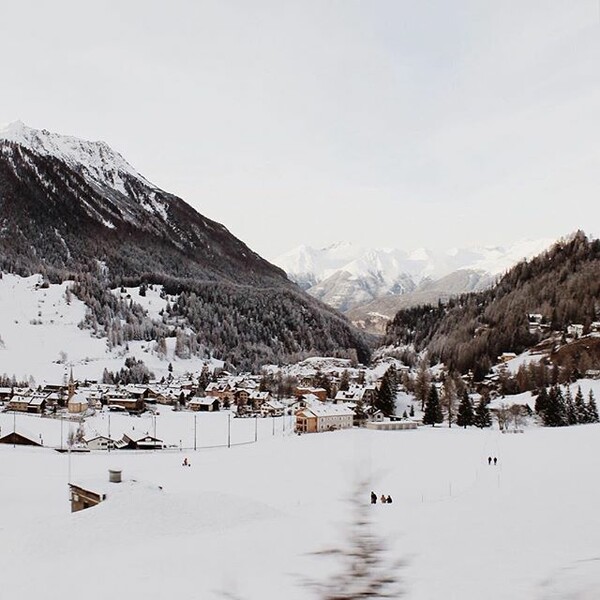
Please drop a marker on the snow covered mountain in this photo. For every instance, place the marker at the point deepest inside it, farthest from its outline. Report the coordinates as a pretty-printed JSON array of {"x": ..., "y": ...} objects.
[
  {"x": 76, "y": 210},
  {"x": 71, "y": 201},
  {"x": 348, "y": 276}
]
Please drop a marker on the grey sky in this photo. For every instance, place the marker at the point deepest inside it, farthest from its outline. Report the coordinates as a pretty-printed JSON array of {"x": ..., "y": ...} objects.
[{"x": 402, "y": 123}]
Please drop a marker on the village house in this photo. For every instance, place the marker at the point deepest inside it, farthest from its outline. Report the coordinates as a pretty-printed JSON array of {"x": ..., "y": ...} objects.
[
  {"x": 90, "y": 493},
  {"x": 82, "y": 497},
  {"x": 241, "y": 397},
  {"x": 258, "y": 398},
  {"x": 272, "y": 408},
  {"x": 19, "y": 402},
  {"x": 6, "y": 393},
  {"x": 207, "y": 404},
  {"x": 324, "y": 417},
  {"x": 358, "y": 393},
  {"x": 134, "y": 440},
  {"x": 220, "y": 390},
  {"x": 19, "y": 439},
  {"x": 100, "y": 442},
  {"x": 320, "y": 393}
]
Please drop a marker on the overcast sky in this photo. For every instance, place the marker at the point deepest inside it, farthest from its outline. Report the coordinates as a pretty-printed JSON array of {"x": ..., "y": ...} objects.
[{"x": 405, "y": 123}]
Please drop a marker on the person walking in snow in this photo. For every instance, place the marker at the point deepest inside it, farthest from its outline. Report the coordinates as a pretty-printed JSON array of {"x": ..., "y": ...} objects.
[
  {"x": 495, "y": 461},
  {"x": 383, "y": 499},
  {"x": 389, "y": 499},
  {"x": 373, "y": 498},
  {"x": 489, "y": 460}
]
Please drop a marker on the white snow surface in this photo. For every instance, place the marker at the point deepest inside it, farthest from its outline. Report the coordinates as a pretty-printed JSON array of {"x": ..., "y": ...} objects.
[{"x": 242, "y": 522}]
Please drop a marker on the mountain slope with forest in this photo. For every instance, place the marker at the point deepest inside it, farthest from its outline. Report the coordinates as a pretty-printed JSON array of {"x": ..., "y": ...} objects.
[
  {"x": 76, "y": 210},
  {"x": 561, "y": 285}
]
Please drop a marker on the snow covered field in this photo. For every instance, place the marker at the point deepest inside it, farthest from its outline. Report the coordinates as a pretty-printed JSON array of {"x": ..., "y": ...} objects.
[{"x": 242, "y": 522}]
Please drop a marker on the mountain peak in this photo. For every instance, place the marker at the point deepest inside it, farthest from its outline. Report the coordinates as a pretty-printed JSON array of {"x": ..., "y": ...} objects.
[{"x": 95, "y": 159}]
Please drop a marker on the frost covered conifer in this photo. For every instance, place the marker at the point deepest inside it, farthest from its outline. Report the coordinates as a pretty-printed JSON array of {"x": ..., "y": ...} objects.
[{"x": 592, "y": 409}]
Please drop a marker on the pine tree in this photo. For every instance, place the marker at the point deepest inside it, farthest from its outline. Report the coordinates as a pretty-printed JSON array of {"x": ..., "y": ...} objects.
[
  {"x": 465, "y": 415},
  {"x": 386, "y": 397},
  {"x": 433, "y": 410},
  {"x": 482, "y": 415},
  {"x": 555, "y": 414},
  {"x": 580, "y": 406},
  {"x": 592, "y": 409},
  {"x": 570, "y": 411},
  {"x": 360, "y": 415},
  {"x": 344, "y": 381},
  {"x": 541, "y": 402}
]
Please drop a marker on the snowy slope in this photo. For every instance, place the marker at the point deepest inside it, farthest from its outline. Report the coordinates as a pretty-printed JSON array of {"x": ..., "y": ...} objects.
[
  {"x": 40, "y": 335},
  {"x": 242, "y": 523}
]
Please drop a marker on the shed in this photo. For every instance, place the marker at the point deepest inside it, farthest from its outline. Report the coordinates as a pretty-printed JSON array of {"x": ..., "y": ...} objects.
[{"x": 18, "y": 439}]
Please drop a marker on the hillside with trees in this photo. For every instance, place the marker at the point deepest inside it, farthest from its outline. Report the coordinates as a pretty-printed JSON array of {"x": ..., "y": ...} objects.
[
  {"x": 469, "y": 332},
  {"x": 76, "y": 210}
]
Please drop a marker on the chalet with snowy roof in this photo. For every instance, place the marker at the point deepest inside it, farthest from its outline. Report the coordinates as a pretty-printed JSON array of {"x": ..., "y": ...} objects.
[
  {"x": 38, "y": 402},
  {"x": 241, "y": 396},
  {"x": 324, "y": 417},
  {"x": 272, "y": 408},
  {"x": 19, "y": 402},
  {"x": 220, "y": 390},
  {"x": 6, "y": 393},
  {"x": 595, "y": 327},
  {"x": 134, "y": 440},
  {"x": 82, "y": 497},
  {"x": 16, "y": 438},
  {"x": 357, "y": 393},
  {"x": 86, "y": 494},
  {"x": 320, "y": 393},
  {"x": 259, "y": 398},
  {"x": 207, "y": 404},
  {"x": 100, "y": 442}
]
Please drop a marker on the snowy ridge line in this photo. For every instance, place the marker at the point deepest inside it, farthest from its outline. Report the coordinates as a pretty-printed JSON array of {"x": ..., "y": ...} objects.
[{"x": 97, "y": 159}]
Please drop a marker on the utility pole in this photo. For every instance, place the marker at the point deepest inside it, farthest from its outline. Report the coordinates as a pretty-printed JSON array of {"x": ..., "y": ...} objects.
[
  {"x": 14, "y": 428},
  {"x": 109, "y": 438},
  {"x": 195, "y": 448},
  {"x": 255, "y": 428},
  {"x": 229, "y": 431}
]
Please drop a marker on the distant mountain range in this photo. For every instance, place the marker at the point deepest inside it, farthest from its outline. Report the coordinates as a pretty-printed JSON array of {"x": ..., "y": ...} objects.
[
  {"x": 370, "y": 285},
  {"x": 76, "y": 210}
]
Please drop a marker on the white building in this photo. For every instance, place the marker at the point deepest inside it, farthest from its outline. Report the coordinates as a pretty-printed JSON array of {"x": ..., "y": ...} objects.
[{"x": 324, "y": 417}]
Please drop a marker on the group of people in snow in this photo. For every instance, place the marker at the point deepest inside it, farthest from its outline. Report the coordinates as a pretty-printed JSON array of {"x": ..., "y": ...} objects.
[
  {"x": 490, "y": 460},
  {"x": 384, "y": 499}
]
